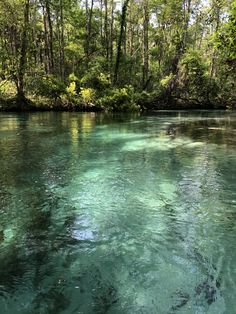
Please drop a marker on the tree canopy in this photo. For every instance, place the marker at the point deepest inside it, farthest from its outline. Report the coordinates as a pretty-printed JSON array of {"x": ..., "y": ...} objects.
[{"x": 133, "y": 54}]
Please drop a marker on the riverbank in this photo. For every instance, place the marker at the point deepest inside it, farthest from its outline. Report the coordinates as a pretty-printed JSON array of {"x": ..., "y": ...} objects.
[{"x": 14, "y": 105}]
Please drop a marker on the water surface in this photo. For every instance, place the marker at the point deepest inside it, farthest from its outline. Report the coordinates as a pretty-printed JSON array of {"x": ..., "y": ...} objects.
[{"x": 118, "y": 213}]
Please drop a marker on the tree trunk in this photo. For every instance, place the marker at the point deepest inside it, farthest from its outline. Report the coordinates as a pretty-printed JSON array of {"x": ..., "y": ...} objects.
[
  {"x": 181, "y": 46},
  {"x": 111, "y": 35},
  {"x": 48, "y": 38},
  {"x": 130, "y": 31},
  {"x": 89, "y": 15},
  {"x": 23, "y": 52},
  {"x": 62, "y": 43},
  {"x": 51, "y": 59},
  {"x": 213, "y": 60},
  {"x": 101, "y": 23},
  {"x": 106, "y": 31},
  {"x": 34, "y": 39},
  {"x": 122, "y": 29},
  {"x": 145, "y": 44},
  {"x": 187, "y": 10}
]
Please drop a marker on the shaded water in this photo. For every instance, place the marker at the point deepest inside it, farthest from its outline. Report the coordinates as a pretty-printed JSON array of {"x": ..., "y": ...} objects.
[{"x": 118, "y": 214}]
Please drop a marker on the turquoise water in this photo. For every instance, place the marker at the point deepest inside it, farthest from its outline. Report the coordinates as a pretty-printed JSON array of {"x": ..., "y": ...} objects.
[{"x": 118, "y": 213}]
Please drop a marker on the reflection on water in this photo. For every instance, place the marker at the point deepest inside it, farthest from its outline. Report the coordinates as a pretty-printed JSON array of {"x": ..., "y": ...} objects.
[{"x": 117, "y": 213}]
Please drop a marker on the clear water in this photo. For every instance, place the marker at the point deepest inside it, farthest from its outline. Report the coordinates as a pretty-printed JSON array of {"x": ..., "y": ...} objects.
[{"x": 118, "y": 214}]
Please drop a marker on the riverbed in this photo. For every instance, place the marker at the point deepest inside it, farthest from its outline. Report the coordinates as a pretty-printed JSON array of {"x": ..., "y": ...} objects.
[{"x": 113, "y": 213}]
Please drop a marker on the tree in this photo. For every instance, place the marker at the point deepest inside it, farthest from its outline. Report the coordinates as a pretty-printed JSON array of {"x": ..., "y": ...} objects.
[
  {"x": 23, "y": 53},
  {"x": 141, "y": 44},
  {"x": 121, "y": 34}
]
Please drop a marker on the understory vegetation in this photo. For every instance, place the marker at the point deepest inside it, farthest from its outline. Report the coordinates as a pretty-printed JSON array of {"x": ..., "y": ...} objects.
[{"x": 107, "y": 55}]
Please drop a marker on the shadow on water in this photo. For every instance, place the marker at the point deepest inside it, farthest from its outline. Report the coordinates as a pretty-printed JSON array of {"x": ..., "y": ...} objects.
[{"x": 220, "y": 131}]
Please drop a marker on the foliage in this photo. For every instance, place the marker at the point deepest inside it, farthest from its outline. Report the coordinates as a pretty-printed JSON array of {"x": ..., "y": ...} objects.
[
  {"x": 103, "y": 52},
  {"x": 47, "y": 86},
  {"x": 166, "y": 80},
  {"x": 96, "y": 79},
  {"x": 71, "y": 89},
  {"x": 195, "y": 81},
  {"x": 144, "y": 99},
  {"x": 225, "y": 39},
  {"x": 88, "y": 95},
  {"x": 73, "y": 78},
  {"x": 193, "y": 71},
  {"x": 192, "y": 64},
  {"x": 120, "y": 99},
  {"x": 7, "y": 88}
]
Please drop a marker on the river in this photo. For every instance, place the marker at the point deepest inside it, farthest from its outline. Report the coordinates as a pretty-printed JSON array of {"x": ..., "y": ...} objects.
[{"x": 111, "y": 213}]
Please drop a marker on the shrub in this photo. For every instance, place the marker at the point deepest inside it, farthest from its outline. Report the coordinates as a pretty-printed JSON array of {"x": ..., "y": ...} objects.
[
  {"x": 144, "y": 99},
  {"x": 7, "y": 88},
  {"x": 73, "y": 78},
  {"x": 97, "y": 80},
  {"x": 87, "y": 95},
  {"x": 71, "y": 89},
  {"x": 47, "y": 86},
  {"x": 120, "y": 99},
  {"x": 166, "y": 80}
]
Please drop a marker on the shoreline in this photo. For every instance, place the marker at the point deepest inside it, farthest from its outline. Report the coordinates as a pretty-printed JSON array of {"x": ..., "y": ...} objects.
[{"x": 11, "y": 105}]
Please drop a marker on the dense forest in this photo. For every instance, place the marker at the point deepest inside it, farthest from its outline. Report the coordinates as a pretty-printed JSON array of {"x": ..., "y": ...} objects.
[{"x": 107, "y": 54}]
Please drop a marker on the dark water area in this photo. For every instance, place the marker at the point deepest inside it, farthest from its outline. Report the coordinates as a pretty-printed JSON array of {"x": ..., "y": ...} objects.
[{"x": 105, "y": 213}]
